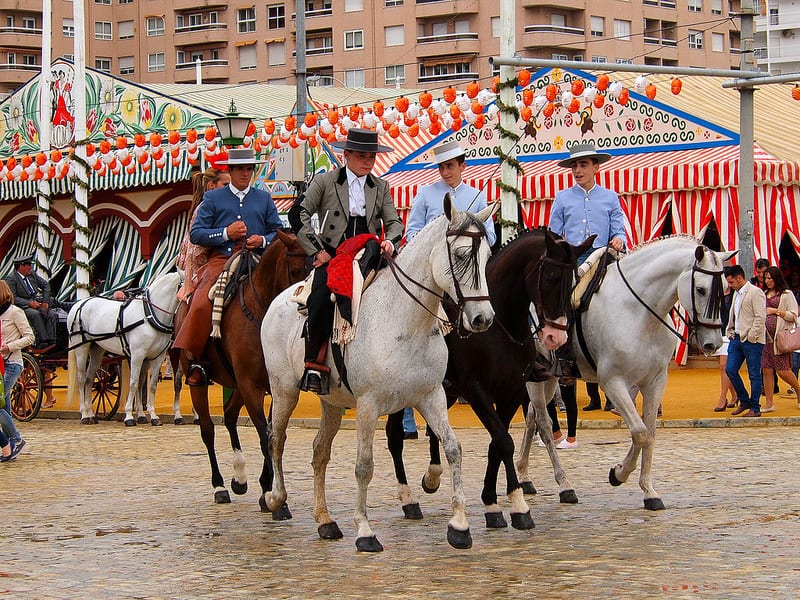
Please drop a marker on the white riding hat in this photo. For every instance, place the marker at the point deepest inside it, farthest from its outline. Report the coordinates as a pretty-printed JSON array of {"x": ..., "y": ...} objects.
[{"x": 447, "y": 151}]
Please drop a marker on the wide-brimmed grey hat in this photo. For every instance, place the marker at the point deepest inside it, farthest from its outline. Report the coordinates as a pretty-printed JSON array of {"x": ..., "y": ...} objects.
[
  {"x": 362, "y": 140},
  {"x": 23, "y": 260},
  {"x": 584, "y": 150},
  {"x": 241, "y": 156},
  {"x": 447, "y": 151}
]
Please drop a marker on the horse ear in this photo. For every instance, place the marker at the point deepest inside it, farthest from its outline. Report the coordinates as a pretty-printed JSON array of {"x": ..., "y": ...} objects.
[
  {"x": 727, "y": 256},
  {"x": 447, "y": 206},
  {"x": 699, "y": 253},
  {"x": 488, "y": 212},
  {"x": 584, "y": 245}
]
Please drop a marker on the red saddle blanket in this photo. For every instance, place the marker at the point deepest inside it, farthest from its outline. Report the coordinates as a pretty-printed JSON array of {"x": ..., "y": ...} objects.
[{"x": 340, "y": 268}]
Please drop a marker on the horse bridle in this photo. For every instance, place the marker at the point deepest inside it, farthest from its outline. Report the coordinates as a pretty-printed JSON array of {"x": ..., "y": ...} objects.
[
  {"x": 694, "y": 323},
  {"x": 461, "y": 299}
]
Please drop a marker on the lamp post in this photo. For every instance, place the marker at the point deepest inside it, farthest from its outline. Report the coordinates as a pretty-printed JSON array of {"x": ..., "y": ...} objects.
[{"x": 232, "y": 127}]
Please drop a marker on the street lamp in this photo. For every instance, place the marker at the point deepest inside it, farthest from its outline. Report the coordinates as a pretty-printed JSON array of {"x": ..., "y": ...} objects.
[{"x": 232, "y": 127}]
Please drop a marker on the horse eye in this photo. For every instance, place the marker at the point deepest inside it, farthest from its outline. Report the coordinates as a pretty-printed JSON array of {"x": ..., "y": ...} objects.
[{"x": 702, "y": 291}]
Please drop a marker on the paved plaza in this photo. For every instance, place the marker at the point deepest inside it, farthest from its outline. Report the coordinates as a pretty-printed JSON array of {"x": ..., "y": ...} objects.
[{"x": 108, "y": 512}]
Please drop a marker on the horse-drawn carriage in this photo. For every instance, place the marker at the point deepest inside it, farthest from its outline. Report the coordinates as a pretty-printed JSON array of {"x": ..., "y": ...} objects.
[{"x": 39, "y": 373}]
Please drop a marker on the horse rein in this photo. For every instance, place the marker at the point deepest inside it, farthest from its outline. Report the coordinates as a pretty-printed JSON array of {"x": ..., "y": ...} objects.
[
  {"x": 397, "y": 271},
  {"x": 694, "y": 323}
]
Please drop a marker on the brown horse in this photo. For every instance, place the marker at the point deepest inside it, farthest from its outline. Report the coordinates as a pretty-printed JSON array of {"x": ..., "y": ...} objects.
[{"x": 237, "y": 362}]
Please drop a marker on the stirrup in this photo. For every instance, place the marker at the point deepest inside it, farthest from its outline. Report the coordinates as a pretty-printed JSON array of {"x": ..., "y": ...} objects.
[
  {"x": 196, "y": 375},
  {"x": 315, "y": 381},
  {"x": 567, "y": 369}
]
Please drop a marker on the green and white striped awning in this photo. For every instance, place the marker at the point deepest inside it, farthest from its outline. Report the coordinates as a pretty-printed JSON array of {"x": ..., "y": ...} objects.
[
  {"x": 25, "y": 245},
  {"x": 166, "y": 251},
  {"x": 15, "y": 190},
  {"x": 101, "y": 234}
]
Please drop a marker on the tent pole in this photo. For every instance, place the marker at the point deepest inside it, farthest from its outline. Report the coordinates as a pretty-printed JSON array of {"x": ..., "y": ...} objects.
[
  {"x": 508, "y": 97},
  {"x": 746, "y": 256}
]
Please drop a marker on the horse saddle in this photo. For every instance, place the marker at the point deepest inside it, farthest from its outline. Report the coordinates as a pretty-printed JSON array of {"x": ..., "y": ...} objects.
[
  {"x": 591, "y": 273},
  {"x": 238, "y": 268}
]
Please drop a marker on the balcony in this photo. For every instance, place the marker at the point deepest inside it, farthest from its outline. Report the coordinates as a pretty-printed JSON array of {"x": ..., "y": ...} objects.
[
  {"x": 448, "y": 43},
  {"x": 319, "y": 12},
  {"x": 448, "y": 77},
  {"x": 562, "y": 4},
  {"x": 211, "y": 69},
  {"x": 14, "y": 75},
  {"x": 549, "y": 36},
  {"x": 179, "y": 6},
  {"x": 446, "y": 8},
  {"x": 19, "y": 37},
  {"x": 192, "y": 35}
]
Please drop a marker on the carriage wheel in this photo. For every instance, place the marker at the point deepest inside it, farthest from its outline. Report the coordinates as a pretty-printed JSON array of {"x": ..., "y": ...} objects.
[
  {"x": 106, "y": 390},
  {"x": 26, "y": 395}
]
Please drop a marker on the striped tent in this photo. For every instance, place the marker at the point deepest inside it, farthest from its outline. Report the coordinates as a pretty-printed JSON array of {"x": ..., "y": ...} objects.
[
  {"x": 166, "y": 251},
  {"x": 101, "y": 234}
]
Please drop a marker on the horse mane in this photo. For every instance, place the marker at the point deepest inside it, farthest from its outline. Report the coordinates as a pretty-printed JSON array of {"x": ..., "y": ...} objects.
[
  {"x": 521, "y": 234},
  {"x": 675, "y": 236}
]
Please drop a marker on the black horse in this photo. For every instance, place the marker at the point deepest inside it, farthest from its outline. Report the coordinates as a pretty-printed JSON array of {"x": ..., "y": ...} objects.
[{"x": 490, "y": 370}]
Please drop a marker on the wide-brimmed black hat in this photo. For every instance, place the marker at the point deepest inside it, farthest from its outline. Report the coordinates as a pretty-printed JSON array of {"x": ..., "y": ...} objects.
[
  {"x": 362, "y": 140},
  {"x": 584, "y": 150},
  {"x": 23, "y": 260}
]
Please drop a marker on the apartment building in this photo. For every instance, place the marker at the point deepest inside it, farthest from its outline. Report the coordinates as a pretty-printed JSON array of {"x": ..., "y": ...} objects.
[
  {"x": 362, "y": 43},
  {"x": 776, "y": 44}
]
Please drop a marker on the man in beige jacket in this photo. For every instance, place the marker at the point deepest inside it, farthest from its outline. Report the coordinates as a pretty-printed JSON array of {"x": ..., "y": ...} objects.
[{"x": 747, "y": 334}]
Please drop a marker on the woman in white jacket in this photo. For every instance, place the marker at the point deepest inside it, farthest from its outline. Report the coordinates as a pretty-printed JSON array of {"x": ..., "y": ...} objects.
[{"x": 15, "y": 334}]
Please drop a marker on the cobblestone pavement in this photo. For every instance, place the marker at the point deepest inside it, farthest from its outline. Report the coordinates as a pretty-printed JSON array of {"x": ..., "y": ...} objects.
[{"x": 109, "y": 512}]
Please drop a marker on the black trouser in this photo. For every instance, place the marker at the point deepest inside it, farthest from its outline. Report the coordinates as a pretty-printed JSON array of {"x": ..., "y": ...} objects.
[
  {"x": 320, "y": 314},
  {"x": 571, "y": 406},
  {"x": 43, "y": 325}
]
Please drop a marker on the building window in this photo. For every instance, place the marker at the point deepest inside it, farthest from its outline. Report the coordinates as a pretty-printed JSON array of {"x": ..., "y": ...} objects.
[
  {"x": 155, "y": 62},
  {"x": 558, "y": 56},
  {"x": 101, "y": 63},
  {"x": 29, "y": 60},
  {"x": 394, "y": 35},
  {"x": 624, "y": 61},
  {"x": 10, "y": 21},
  {"x": 716, "y": 7},
  {"x": 393, "y": 3},
  {"x": 598, "y": 25},
  {"x": 354, "y": 78},
  {"x": 155, "y": 26},
  {"x": 354, "y": 40},
  {"x": 102, "y": 30},
  {"x": 180, "y": 57},
  {"x": 276, "y": 53},
  {"x": 695, "y": 5},
  {"x": 599, "y": 59},
  {"x": 773, "y": 16},
  {"x": 125, "y": 30},
  {"x": 395, "y": 75},
  {"x": 439, "y": 29},
  {"x": 126, "y": 1},
  {"x": 12, "y": 58},
  {"x": 126, "y": 65},
  {"x": 695, "y": 39},
  {"x": 495, "y": 22},
  {"x": 718, "y": 42},
  {"x": 108, "y": 2},
  {"x": 28, "y": 23},
  {"x": 246, "y": 20},
  {"x": 247, "y": 57},
  {"x": 68, "y": 28},
  {"x": 276, "y": 16},
  {"x": 557, "y": 20},
  {"x": 622, "y": 29},
  {"x": 353, "y": 5}
]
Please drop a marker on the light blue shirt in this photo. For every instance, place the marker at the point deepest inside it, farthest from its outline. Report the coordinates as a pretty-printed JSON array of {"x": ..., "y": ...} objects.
[
  {"x": 428, "y": 205},
  {"x": 577, "y": 214}
]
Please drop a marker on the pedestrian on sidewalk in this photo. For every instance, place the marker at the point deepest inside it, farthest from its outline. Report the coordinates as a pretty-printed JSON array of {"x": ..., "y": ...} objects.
[
  {"x": 781, "y": 308},
  {"x": 722, "y": 354},
  {"x": 747, "y": 334},
  {"x": 16, "y": 333}
]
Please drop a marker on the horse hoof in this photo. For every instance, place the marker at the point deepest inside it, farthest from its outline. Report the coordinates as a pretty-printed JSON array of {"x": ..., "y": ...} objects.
[
  {"x": 612, "y": 478},
  {"x": 142, "y": 420},
  {"x": 653, "y": 504},
  {"x": 522, "y": 521},
  {"x": 180, "y": 421},
  {"x": 527, "y": 488},
  {"x": 86, "y": 421},
  {"x": 495, "y": 520},
  {"x": 412, "y": 511},
  {"x": 130, "y": 423},
  {"x": 428, "y": 490},
  {"x": 222, "y": 497},
  {"x": 568, "y": 497},
  {"x": 238, "y": 488},
  {"x": 331, "y": 531},
  {"x": 155, "y": 422},
  {"x": 282, "y": 514},
  {"x": 368, "y": 544},
  {"x": 459, "y": 539},
  {"x": 195, "y": 421}
]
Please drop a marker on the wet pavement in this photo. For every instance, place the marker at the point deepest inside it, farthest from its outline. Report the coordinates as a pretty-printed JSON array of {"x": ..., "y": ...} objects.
[{"x": 108, "y": 512}]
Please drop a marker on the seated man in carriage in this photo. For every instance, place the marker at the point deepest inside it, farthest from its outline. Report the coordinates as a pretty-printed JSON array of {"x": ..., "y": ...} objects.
[
  {"x": 230, "y": 218},
  {"x": 32, "y": 294}
]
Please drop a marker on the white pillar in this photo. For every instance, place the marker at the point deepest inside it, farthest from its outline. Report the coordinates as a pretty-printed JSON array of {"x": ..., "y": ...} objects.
[
  {"x": 81, "y": 172},
  {"x": 508, "y": 174},
  {"x": 43, "y": 231}
]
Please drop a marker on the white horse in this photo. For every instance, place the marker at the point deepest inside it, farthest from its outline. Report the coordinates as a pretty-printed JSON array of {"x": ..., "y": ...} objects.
[
  {"x": 397, "y": 359},
  {"x": 625, "y": 340},
  {"x": 140, "y": 330}
]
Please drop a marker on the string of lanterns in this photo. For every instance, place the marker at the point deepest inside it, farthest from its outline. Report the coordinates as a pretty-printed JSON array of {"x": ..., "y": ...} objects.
[{"x": 474, "y": 105}]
